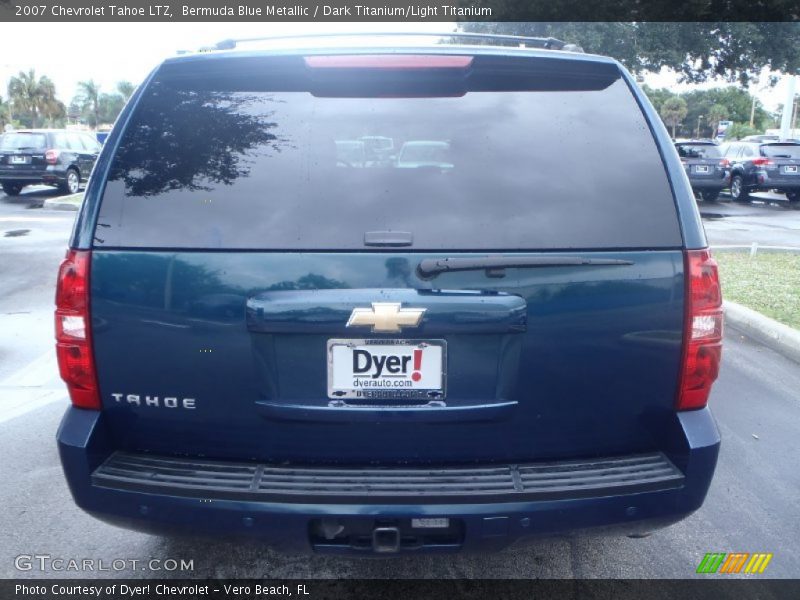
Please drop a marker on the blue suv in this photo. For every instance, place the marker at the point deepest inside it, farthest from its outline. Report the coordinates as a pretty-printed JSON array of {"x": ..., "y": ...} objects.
[{"x": 510, "y": 338}]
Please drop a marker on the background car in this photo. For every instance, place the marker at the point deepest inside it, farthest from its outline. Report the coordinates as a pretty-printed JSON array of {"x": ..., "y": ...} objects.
[
  {"x": 761, "y": 138},
  {"x": 378, "y": 149},
  {"x": 351, "y": 153},
  {"x": 708, "y": 171},
  {"x": 416, "y": 154},
  {"x": 46, "y": 156},
  {"x": 763, "y": 166}
]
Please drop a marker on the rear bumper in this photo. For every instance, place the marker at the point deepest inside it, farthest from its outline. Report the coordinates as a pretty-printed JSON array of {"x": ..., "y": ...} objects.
[
  {"x": 764, "y": 180},
  {"x": 51, "y": 174},
  {"x": 133, "y": 491},
  {"x": 710, "y": 183}
]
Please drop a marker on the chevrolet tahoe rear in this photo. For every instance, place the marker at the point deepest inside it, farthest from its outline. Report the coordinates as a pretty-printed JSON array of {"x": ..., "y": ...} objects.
[{"x": 511, "y": 337}]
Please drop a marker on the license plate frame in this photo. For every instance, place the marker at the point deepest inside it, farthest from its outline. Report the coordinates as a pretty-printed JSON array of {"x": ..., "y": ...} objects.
[
  {"x": 790, "y": 169},
  {"x": 701, "y": 169},
  {"x": 18, "y": 160},
  {"x": 433, "y": 368}
]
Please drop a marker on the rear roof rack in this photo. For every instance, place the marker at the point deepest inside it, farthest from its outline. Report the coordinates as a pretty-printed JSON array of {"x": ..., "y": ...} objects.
[{"x": 547, "y": 43}]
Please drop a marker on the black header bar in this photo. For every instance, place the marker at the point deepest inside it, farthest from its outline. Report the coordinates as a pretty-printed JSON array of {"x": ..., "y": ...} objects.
[{"x": 397, "y": 10}]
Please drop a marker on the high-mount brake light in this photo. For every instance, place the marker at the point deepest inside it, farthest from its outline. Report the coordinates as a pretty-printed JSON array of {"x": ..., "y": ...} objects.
[
  {"x": 702, "y": 341},
  {"x": 73, "y": 330},
  {"x": 388, "y": 61}
]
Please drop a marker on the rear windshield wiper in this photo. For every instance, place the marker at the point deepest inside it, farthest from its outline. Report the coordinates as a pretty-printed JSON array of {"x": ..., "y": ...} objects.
[{"x": 495, "y": 265}]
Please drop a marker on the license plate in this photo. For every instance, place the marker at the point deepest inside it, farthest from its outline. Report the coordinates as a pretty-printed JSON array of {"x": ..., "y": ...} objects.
[
  {"x": 387, "y": 369},
  {"x": 701, "y": 169},
  {"x": 430, "y": 523},
  {"x": 19, "y": 160},
  {"x": 790, "y": 169}
]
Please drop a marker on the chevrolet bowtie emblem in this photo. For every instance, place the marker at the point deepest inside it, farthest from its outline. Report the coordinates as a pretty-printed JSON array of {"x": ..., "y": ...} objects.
[{"x": 386, "y": 317}]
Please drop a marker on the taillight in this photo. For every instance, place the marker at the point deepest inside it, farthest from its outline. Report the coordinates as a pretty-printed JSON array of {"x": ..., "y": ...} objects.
[
  {"x": 702, "y": 342},
  {"x": 764, "y": 162},
  {"x": 51, "y": 156},
  {"x": 74, "y": 332},
  {"x": 725, "y": 163}
]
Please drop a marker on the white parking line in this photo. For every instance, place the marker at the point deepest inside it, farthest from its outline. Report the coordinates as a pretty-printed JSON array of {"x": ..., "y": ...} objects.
[
  {"x": 17, "y": 402},
  {"x": 33, "y": 219},
  {"x": 36, "y": 373},
  {"x": 31, "y": 387}
]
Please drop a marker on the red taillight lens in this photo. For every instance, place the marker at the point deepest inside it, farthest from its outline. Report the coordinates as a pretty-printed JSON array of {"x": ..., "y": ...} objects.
[
  {"x": 763, "y": 162},
  {"x": 725, "y": 163},
  {"x": 388, "y": 61},
  {"x": 73, "y": 330},
  {"x": 702, "y": 345},
  {"x": 51, "y": 156}
]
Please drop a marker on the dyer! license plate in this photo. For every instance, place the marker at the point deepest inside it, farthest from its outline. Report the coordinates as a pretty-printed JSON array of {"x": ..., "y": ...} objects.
[{"x": 390, "y": 369}]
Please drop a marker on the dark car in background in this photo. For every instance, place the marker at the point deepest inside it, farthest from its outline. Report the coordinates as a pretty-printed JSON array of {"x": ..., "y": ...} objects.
[
  {"x": 56, "y": 157},
  {"x": 764, "y": 166},
  {"x": 707, "y": 169},
  {"x": 479, "y": 345}
]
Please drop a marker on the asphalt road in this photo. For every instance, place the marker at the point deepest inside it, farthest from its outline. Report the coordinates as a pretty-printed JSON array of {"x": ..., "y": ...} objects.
[
  {"x": 767, "y": 220},
  {"x": 752, "y": 505}
]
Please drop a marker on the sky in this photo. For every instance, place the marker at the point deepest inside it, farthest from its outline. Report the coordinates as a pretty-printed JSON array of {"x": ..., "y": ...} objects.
[{"x": 111, "y": 52}]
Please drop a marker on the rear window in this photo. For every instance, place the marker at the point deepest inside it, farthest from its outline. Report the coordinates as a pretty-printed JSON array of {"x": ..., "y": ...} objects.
[
  {"x": 250, "y": 155},
  {"x": 699, "y": 151},
  {"x": 23, "y": 141},
  {"x": 781, "y": 150}
]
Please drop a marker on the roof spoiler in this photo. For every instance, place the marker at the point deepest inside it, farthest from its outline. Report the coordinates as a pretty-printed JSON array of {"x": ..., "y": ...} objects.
[{"x": 521, "y": 41}]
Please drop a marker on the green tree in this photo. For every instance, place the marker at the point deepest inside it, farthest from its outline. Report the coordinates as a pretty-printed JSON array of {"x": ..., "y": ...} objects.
[
  {"x": 657, "y": 96},
  {"x": 89, "y": 97},
  {"x": 30, "y": 96},
  {"x": 737, "y": 102},
  {"x": 52, "y": 109},
  {"x": 739, "y": 130},
  {"x": 673, "y": 111},
  {"x": 717, "y": 113},
  {"x": 699, "y": 51},
  {"x": 110, "y": 105},
  {"x": 125, "y": 89},
  {"x": 5, "y": 113}
]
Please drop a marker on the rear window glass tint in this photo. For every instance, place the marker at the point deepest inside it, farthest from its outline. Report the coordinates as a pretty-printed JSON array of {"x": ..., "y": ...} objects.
[
  {"x": 781, "y": 150},
  {"x": 23, "y": 141},
  {"x": 226, "y": 163},
  {"x": 699, "y": 151},
  {"x": 74, "y": 142}
]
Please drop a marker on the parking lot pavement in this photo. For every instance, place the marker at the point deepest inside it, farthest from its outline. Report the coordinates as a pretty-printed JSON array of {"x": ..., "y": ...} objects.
[
  {"x": 767, "y": 221},
  {"x": 752, "y": 505}
]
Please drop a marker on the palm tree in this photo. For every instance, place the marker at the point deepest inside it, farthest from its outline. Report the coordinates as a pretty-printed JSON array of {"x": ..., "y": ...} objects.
[
  {"x": 27, "y": 95},
  {"x": 673, "y": 111},
  {"x": 49, "y": 105},
  {"x": 90, "y": 96},
  {"x": 5, "y": 114},
  {"x": 126, "y": 89},
  {"x": 717, "y": 113}
]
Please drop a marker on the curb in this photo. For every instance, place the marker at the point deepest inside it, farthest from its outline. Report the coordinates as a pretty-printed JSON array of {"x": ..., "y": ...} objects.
[
  {"x": 65, "y": 203},
  {"x": 758, "y": 248},
  {"x": 771, "y": 333}
]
